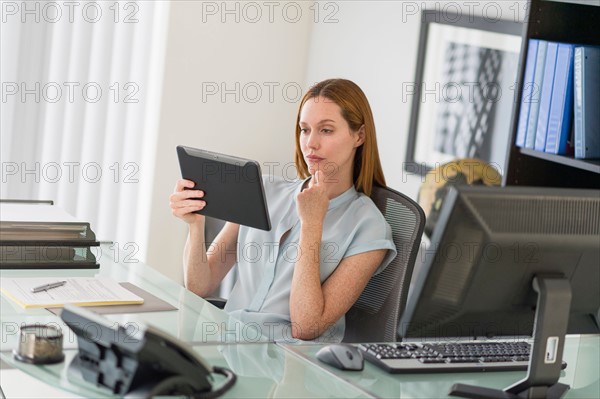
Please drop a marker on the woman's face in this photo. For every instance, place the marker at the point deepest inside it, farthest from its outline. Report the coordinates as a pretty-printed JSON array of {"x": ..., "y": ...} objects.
[{"x": 327, "y": 142}]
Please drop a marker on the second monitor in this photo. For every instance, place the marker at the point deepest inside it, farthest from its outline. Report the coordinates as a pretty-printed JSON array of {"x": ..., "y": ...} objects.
[
  {"x": 488, "y": 245},
  {"x": 511, "y": 261}
]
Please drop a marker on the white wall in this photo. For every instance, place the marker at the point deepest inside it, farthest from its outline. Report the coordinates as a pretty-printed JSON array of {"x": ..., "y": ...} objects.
[
  {"x": 373, "y": 43},
  {"x": 208, "y": 48}
]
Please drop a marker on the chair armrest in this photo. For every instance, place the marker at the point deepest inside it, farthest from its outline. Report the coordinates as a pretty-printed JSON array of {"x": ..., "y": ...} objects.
[{"x": 218, "y": 302}]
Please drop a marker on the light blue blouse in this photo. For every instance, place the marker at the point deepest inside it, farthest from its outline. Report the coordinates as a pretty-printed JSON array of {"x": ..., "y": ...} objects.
[{"x": 265, "y": 262}]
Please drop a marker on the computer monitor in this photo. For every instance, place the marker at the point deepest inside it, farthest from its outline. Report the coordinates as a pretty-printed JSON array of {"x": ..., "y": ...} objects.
[{"x": 510, "y": 261}]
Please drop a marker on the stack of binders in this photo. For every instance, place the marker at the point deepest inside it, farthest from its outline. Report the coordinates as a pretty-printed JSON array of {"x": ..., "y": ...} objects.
[
  {"x": 560, "y": 100},
  {"x": 39, "y": 235}
]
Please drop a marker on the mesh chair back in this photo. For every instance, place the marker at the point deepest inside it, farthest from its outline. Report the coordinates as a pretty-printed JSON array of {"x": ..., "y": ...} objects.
[{"x": 375, "y": 315}]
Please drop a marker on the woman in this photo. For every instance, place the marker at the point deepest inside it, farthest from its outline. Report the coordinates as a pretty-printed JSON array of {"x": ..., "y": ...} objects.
[{"x": 328, "y": 237}]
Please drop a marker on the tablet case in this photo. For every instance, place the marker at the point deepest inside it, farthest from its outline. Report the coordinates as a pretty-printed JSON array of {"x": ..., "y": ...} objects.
[{"x": 233, "y": 187}]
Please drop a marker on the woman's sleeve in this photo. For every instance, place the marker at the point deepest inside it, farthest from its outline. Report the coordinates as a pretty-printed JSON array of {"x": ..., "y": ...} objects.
[{"x": 372, "y": 232}]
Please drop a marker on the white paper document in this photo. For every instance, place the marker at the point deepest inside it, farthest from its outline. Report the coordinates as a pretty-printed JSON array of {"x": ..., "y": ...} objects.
[{"x": 82, "y": 291}]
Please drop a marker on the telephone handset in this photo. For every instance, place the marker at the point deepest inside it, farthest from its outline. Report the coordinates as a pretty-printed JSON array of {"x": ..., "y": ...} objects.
[{"x": 143, "y": 362}]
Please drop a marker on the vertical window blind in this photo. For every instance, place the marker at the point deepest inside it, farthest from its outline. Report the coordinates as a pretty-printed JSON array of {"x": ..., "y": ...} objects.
[{"x": 81, "y": 89}]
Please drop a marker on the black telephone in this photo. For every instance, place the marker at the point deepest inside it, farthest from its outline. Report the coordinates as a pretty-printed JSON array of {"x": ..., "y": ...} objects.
[{"x": 145, "y": 362}]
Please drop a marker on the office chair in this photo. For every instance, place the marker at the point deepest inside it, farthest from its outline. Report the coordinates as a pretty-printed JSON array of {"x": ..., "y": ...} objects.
[{"x": 375, "y": 315}]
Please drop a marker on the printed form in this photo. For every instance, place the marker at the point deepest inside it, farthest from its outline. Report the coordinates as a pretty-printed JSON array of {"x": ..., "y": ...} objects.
[{"x": 82, "y": 291}]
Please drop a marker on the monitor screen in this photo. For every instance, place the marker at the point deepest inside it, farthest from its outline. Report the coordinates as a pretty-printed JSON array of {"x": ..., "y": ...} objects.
[{"x": 488, "y": 245}]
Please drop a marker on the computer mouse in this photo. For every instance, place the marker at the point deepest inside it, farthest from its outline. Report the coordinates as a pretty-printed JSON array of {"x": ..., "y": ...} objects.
[{"x": 341, "y": 356}]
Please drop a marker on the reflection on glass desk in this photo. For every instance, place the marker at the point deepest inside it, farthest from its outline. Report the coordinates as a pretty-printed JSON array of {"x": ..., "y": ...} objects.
[
  {"x": 264, "y": 370},
  {"x": 582, "y": 354},
  {"x": 195, "y": 320}
]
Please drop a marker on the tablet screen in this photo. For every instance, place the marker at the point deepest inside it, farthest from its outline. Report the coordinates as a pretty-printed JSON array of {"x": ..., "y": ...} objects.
[{"x": 233, "y": 186}]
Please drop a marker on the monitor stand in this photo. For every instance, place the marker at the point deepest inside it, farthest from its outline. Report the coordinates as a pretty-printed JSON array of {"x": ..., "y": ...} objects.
[{"x": 545, "y": 360}]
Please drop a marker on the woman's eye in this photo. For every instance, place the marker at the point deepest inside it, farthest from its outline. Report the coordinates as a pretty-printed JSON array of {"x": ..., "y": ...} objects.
[
  {"x": 303, "y": 130},
  {"x": 327, "y": 131}
]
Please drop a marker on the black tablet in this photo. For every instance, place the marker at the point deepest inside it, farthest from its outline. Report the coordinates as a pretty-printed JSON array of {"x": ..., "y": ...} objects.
[{"x": 233, "y": 186}]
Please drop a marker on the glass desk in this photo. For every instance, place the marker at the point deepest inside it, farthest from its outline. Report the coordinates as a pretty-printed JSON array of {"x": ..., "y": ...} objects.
[
  {"x": 263, "y": 370},
  {"x": 195, "y": 320},
  {"x": 582, "y": 354}
]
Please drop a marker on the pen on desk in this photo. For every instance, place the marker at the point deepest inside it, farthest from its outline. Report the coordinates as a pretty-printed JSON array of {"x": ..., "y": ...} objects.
[{"x": 49, "y": 286}]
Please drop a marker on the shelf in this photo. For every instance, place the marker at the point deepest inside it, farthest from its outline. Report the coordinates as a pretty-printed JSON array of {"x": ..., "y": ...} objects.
[
  {"x": 588, "y": 165},
  {"x": 553, "y": 21},
  {"x": 564, "y": 22}
]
